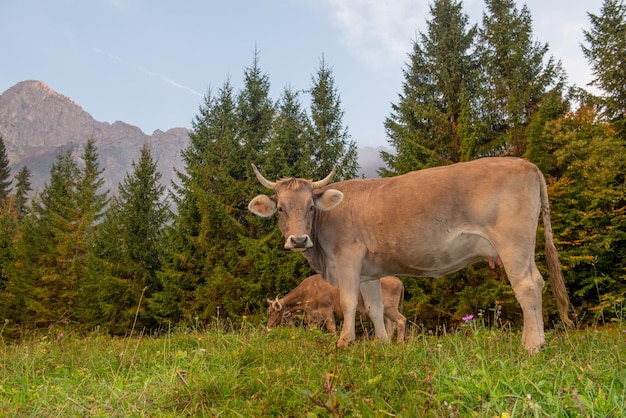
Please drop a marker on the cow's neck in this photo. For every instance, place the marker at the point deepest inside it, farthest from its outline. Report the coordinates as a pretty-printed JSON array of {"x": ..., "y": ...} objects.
[
  {"x": 316, "y": 255},
  {"x": 290, "y": 301}
]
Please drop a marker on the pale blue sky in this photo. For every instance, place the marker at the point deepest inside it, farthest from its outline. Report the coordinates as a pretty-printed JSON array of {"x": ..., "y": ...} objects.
[{"x": 150, "y": 62}]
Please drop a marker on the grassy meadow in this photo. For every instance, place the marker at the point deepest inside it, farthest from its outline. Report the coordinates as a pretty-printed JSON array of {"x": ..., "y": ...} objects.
[{"x": 244, "y": 371}]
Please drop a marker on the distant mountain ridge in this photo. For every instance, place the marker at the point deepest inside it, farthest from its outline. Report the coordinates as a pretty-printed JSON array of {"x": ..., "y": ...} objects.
[{"x": 36, "y": 123}]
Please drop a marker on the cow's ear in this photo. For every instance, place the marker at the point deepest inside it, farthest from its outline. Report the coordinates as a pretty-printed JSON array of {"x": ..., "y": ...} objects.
[
  {"x": 262, "y": 206},
  {"x": 329, "y": 199}
]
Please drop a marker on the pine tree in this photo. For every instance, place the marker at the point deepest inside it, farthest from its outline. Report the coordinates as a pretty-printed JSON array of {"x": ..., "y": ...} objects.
[
  {"x": 8, "y": 223},
  {"x": 516, "y": 78},
  {"x": 5, "y": 173},
  {"x": 201, "y": 241},
  {"x": 255, "y": 112},
  {"x": 41, "y": 288},
  {"x": 55, "y": 240},
  {"x": 429, "y": 126},
  {"x": 88, "y": 208},
  {"x": 331, "y": 143},
  {"x": 540, "y": 143},
  {"x": 126, "y": 256},
  {"x": 606, "y": 53},
  {"x": 288, "y": 153},
  {"x": 22, "y": 187},
  {"x": 271, "y": 270}
]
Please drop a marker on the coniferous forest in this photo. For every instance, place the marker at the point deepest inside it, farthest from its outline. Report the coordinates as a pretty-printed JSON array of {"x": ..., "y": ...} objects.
[{"x": 155, "y": 256}]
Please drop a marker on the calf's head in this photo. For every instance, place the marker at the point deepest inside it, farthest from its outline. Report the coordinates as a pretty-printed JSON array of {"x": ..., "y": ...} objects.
[
  {"x": 275, "y": 312},
  {"x": 296, "y": 202}
]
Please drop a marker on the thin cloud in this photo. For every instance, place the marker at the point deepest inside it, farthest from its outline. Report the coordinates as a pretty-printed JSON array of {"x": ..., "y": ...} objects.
[
  {"x": 380, "y": 32},
  {"x": 108, "y": 55},
  {"x": 170, "y": 81},
  {"x": 150, "y": 73}
]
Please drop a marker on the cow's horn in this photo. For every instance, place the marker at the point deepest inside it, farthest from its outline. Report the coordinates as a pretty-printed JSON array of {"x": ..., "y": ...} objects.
[
  {"x": 325, "y": 181},
  {"x": 265, "y": 182}
]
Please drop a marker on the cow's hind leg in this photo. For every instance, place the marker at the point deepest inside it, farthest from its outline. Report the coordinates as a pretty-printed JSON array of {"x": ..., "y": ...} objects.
[
  {"x": 390, "y": 326},
  {"x": 528, "y": 285},
  {"x": 395, "y": 321},
  {"x": 330, "y": 324}
]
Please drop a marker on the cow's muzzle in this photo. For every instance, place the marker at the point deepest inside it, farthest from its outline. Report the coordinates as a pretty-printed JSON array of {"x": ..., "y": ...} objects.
[{"x": 298, "y": 243}]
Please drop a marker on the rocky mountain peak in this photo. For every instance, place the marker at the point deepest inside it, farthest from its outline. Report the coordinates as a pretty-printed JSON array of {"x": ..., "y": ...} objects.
[{"x": 36, "y": 122}]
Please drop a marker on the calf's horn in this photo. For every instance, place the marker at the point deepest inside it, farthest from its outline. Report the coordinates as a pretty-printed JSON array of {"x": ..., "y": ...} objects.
[
  {"x": 324, "y": 181},
  {"x": 276, "y": 305},
  {"x": 265, "y": 182}
]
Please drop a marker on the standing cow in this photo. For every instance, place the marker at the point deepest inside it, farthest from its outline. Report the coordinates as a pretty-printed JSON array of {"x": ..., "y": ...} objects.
[
  {"x": 317, "y": 301},
  {"x": 425, "y": 223}
]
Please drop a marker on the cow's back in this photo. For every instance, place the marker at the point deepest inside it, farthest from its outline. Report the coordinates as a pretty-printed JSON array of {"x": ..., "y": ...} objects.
[{"x": 430, "y": 222}]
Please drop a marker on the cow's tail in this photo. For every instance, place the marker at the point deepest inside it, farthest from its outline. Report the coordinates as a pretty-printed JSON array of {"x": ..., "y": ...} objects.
[{"x": 554, "y": 265}]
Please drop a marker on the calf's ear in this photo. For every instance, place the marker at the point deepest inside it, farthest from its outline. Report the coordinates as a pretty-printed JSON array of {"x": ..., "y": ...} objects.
[
  {"x": 262, "y": 206},
  {"x": 329, "y": 199}
]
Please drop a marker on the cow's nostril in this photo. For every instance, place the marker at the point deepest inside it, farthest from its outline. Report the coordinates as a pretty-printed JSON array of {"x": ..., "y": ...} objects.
[{"x": 298, "y": 241}]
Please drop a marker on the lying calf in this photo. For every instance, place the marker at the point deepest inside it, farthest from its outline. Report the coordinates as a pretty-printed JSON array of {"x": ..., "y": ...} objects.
[{"x": 317, "y": 302}]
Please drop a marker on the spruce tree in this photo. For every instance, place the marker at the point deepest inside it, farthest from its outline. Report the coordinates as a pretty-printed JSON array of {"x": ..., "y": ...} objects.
[
  {"x": 255, "y": 112},
  {"x": 56, "y": 240},
  {"x": 540, "y": 142},
  {"x": 289, "y": 152},
  {"x": 126, "y": 256},
  {"x": 516, "y": 79},
  {"x": 41, "y": 286},
  {"x": 196, "y": 277},
  {"x": 330, "y": 140},
  {"x": 22, "y": 187},
  {"x": 606, "y": 53},
  {"x": 429, "y": 126},
  {"x": 88, "y": 208},
  {"x": 5, "y": 174}
]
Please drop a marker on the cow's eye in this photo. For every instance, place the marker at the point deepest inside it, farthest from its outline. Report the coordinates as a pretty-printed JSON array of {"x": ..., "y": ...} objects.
[
  {"x": 280, "y": 209},
  {"x": 312, "y": 208}
]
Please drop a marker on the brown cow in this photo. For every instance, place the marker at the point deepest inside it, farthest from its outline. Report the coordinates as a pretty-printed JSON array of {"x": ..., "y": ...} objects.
[
  {"x": 317, "y": 302},
  {"x": 425, "y": 223}
]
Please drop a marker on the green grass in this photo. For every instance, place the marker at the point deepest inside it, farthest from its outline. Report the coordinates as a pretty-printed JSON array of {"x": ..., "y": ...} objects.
[{"x": 297, "y": 372}]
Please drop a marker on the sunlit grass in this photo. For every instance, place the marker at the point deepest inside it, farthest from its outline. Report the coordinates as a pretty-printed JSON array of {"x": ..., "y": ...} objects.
[{"x": 244, "y": 371}]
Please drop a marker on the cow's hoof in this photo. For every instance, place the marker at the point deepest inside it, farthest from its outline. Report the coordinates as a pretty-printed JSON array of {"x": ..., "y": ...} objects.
[{"x": 341, "y": 343}]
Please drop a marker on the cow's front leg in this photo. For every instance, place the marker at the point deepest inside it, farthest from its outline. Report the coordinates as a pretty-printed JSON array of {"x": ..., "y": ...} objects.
[
  {"x": 373, "y": 300},
  {"x": 349, "y": 298}
]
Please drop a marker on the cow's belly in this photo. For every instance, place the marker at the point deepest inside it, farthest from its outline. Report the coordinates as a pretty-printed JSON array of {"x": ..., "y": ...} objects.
[{"x": 430, "y": 259}]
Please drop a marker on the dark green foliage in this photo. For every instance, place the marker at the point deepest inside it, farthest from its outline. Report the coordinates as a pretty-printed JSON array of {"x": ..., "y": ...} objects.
[
  {"x": 22, "y": 187},
  {"x": 210, "y": 204},
  {"x": 290, "y": 141},
  {"x": 428, "y": 127},
  {"x": 8, "y": 233},
  {"x": 5, "y": 173},
  {"x": 589, "y": 207},
  {"x": 331, "y": 143},
  {"x": 606, "y": 53},
  {"x": 540, "y": 142},
  {"x": 55, "y": 241},
  {"x": 127, "y": 251},
  {"x": 255, "y": 113},
  {"x": 516, "y": 77}
]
